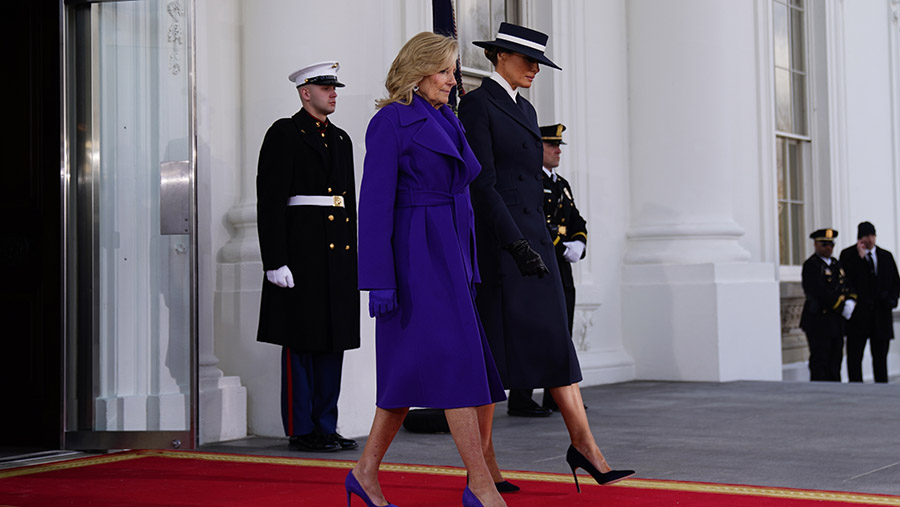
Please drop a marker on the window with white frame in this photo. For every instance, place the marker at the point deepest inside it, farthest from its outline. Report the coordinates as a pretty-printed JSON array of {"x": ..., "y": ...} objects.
[
  {"x": 792, "y": 134},
  {"x": 479, "y": 20}
]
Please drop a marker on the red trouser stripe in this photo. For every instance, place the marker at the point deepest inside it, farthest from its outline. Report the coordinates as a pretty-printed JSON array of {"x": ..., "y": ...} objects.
[{"x": 290, "y": 390}]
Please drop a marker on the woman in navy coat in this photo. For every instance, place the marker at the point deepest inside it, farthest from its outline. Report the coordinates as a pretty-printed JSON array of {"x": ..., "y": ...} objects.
[
  {"x": 417, "y": 260},
  {"x": 524, "y": 315}
]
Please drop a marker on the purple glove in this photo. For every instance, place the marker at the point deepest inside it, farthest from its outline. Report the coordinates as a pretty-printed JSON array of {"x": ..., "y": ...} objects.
[{"x": 382, "y": 303}]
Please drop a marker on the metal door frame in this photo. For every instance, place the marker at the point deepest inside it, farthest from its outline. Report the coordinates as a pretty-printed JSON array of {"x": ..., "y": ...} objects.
[{"x": 80, "y": 126}]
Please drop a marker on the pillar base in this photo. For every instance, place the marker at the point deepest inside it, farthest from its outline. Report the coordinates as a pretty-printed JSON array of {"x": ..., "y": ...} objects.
[
  {"x": 223, "y": 409},
  {"x": 703, "y": 322}
]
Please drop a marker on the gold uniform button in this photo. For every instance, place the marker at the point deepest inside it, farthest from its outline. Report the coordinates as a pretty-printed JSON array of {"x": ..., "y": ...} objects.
[
  {"x": 560, "y": 205},
  {"x": 347, "y": 219},
  {"x": 331, "y": 246},
  {"x": 329, "y": 189},
  {"x": 330, "y": 218},
  {"x": 563, "y": 220},
  {"x": 344, "y": 192},
  {"x": 347, "y": 247}
]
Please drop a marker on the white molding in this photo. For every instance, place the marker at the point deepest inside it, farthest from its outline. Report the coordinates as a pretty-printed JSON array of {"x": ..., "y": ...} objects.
[
  {"x": 417, "y": 17},
  {"x": 894, "y": 38},
  {"x": 569, "y": 99},
  {"x": 766, "y": 128},
  {"x": 838, "y": 142}
]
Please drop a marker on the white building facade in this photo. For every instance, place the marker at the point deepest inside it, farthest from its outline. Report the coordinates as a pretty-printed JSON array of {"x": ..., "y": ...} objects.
[{"x": 700, "y": 157}]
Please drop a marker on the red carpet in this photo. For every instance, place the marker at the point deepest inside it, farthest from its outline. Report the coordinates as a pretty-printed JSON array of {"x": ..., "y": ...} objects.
[{"x": 172, "y": 478}]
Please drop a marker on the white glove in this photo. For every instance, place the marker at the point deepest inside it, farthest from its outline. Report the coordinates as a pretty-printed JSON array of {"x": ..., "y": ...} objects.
[
  {"x": 849, "y": 305},
  {"x": 281, "y": 277},
  {"x": 573, "y": 252}
]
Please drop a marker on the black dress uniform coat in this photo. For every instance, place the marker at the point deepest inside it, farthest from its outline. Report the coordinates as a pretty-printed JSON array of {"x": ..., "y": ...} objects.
[
  {"x": 318, "y": 243},
  {"x": 524, "y": 317},
  {"x": 565, "y": 224},
  {"x": 826, "y": 289}
]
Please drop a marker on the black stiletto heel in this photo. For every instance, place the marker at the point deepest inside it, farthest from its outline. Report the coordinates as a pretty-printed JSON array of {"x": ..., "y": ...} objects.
[{"x": 577, "y": 460}]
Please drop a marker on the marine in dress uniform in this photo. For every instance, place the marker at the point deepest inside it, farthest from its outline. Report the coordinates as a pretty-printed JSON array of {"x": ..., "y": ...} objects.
[
  {"x": 569, "y": 232},
  {"x": 306, "y": 210},
  {"x": 873, "y": 274},
  {"x": 829, "y": 302}
]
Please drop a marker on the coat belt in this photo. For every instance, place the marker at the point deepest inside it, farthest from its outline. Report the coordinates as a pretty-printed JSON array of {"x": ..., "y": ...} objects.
[
  {"x": 316, "y": 200},
  {"x": 460, "y": 203}
]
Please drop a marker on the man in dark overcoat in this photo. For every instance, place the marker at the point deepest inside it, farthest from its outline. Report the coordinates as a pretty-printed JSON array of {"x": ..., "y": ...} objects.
[
  {"x": 829, "y": 301},
  {"x": 524, "y": 316},
  {"x": 306, "y": 211},
  {"x": 569, "y": 232},
  {"x": 873, "y": 274}
]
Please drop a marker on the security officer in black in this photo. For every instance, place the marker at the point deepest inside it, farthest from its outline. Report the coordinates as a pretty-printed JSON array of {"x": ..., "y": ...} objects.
[
  {"x": 829, "y": 302},
  {"x": 306, "y": 213},
  {"x": 569, "y": 232}
]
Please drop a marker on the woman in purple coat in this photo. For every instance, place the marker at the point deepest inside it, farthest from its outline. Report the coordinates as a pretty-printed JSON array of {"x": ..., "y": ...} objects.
[{"x": 417, "y": 260}]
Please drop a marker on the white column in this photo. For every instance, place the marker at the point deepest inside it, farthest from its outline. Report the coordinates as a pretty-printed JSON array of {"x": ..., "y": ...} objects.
[
  {"x": 695, "y": 305},
  {"x": 223, "y": 400},
  {"x": 590, "y": 96}
]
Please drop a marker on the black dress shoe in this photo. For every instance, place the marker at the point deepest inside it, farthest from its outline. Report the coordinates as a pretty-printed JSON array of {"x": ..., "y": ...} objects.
[
  {"x": 506, "y": 487},
  {"x": 313, "y": 442},
  {"x": 533, "y": 411},
  {"x": 555, "y": 408},
  {"x": 345, "y": 443}
]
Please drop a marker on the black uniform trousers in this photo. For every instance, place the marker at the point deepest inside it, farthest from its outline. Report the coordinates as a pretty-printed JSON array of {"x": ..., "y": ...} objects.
[
  {"x": 856, "y": 346},
  {"x": 826, "y": 350},
  {"x": 310, "y": 386}
]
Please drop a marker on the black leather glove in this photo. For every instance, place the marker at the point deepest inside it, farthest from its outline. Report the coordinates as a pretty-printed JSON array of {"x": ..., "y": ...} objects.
[{"x": 528, "y": 261}]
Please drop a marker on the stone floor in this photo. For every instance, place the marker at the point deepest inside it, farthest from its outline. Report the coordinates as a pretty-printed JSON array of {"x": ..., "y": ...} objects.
[{"x": 840, "y": 437}]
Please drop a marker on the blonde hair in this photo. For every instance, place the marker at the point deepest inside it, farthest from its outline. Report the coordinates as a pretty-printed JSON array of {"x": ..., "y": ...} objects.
[{"x": 423, "y": 55}]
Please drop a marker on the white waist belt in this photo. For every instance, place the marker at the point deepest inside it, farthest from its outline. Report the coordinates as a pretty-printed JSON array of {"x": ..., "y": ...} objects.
[{"x": 316, "y": 200}]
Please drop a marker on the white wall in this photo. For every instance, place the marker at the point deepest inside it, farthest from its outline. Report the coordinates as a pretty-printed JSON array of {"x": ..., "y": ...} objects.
[
  {"x": 590, "y": 97},
  {"x": 872, "y": 82},
  {"x": 870, "y": 130}
]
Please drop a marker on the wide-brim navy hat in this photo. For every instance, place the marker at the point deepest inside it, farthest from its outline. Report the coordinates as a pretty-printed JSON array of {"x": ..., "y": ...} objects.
[{"x": 519, "y": 39}]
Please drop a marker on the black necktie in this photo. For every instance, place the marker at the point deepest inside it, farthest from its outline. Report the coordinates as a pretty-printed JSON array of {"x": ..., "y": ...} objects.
[{"x": 871, "y": 263}]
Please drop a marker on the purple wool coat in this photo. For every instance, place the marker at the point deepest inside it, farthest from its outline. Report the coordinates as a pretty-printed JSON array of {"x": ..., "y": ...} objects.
[{"x": 416, "y": 235}]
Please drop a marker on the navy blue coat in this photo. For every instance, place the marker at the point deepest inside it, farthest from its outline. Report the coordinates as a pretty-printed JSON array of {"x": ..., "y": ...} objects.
[{"x": 524, "y": 317}]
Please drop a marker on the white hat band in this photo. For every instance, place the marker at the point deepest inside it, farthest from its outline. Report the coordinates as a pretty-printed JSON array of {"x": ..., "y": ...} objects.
[{"x": 521, "y": 41}]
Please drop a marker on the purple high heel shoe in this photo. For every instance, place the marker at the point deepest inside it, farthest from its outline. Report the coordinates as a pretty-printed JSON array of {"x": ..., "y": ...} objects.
[
  {"x": 353, "y": 486},
  {"x": 470, "y": 500}
]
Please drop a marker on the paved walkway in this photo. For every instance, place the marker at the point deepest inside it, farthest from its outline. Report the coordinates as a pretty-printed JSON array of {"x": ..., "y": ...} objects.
[{"x": 840, "y": 437}]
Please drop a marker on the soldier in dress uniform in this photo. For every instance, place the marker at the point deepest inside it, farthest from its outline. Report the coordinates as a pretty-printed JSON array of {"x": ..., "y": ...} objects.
[
  {"x": 569, "y": 232},
  {"x": 829, "y": 302},
  {"x": 306, "y": 211}
]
